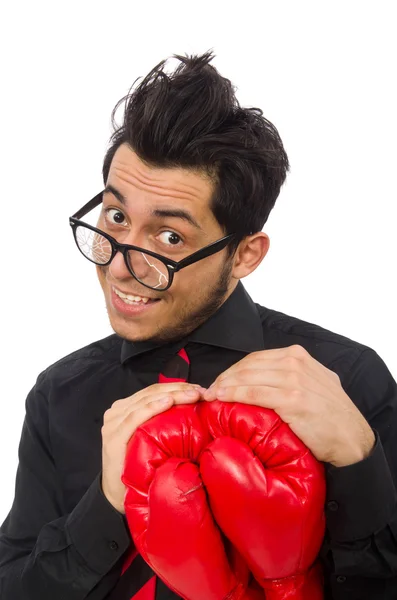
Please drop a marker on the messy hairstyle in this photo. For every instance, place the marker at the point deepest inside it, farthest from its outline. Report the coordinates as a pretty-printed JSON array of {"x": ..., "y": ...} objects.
[{"x": 191, "y": 119}]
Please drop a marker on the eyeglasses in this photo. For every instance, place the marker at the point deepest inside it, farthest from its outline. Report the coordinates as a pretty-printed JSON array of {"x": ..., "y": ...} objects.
[{"x": 153, "y": 270}]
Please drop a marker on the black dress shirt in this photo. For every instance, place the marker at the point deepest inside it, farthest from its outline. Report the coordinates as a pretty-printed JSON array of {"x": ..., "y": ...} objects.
[{"x": 62, "y": 539}]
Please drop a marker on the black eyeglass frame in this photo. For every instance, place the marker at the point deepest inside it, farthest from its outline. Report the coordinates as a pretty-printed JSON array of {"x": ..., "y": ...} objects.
[{"x": 172, "y": 265}]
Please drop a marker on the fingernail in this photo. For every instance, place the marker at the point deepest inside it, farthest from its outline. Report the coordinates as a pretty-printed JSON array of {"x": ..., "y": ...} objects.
[{"x": 191, "y": 393}]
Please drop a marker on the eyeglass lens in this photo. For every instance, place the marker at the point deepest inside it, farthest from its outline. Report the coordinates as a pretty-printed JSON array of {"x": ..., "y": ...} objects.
[{"x": 147, "y": 269}]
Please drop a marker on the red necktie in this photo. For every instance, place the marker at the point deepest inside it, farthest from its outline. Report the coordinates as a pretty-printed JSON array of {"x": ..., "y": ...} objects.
[{"x": 176, "y": 369}]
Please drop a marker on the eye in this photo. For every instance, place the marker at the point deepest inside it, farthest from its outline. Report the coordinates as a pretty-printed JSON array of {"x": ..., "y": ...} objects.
[
  {"x": 115, "y": 216},
  {"x": 170, "y": 238}
]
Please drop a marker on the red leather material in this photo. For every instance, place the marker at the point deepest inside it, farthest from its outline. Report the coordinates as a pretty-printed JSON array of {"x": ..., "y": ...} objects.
[{"x": 221, "y": 493}]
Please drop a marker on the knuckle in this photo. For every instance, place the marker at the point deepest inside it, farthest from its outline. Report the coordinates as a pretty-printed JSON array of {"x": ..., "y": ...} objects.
[
  {"x": 298, "y": 351},
  {"x": 148, "y": 402},
  {"x": 107, "y": 415},
  {"x": 253, "y": 393},
  {"x": 156, "y": 407},
  {"x": 154, "y": 402},
  {"x": 292, "y": 362},
  {"x": 116, "y": 403}
]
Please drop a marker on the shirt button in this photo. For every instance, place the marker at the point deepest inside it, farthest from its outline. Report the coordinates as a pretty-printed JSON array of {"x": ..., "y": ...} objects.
[
  {"x": 341, "y": 579},
  {"x": 332, "y": 505},
  {"x": 113, "y": 545}
]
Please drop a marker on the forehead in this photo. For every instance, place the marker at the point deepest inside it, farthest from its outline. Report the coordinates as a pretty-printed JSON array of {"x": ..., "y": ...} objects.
[{"x": 174, "y": 186}]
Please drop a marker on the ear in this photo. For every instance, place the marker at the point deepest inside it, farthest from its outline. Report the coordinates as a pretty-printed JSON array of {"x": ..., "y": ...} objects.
[{"x": 249, "y": 254}]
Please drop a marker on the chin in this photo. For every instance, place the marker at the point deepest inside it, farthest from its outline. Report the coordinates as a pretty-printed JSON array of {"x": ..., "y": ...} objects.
[
  {"x": 135, "y": 334},
  {"x": 130, "y": 338},
  {"x": 132, "y": 332}
]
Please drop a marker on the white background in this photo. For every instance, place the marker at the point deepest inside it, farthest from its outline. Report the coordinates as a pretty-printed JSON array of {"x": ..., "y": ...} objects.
[{"x": 323, "y": 72}]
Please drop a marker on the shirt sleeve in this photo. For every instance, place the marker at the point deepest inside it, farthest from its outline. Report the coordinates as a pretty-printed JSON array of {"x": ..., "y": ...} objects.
[
  {"x": 45, "y": 554},
  {"x": 361, "y": 503}
]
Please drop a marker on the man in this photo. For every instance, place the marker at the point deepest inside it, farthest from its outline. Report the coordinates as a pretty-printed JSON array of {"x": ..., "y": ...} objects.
[{"x": 188, "y": 168}]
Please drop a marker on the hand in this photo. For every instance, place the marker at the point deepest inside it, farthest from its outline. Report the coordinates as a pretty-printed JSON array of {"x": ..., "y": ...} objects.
[
  {"x": 121, "y": 421},
  {"x": 306, "y": 395}
]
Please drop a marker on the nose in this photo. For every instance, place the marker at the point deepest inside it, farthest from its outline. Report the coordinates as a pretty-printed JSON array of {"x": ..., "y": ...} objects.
[
  {"x": 141, "y": 264},
  {"x": 118, "y": 269}
]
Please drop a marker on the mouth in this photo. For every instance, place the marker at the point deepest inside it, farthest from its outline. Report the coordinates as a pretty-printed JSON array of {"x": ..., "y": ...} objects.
[{"x": 133, "y": 299}]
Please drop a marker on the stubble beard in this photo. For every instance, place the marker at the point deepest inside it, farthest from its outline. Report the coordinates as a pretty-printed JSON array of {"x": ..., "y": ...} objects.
[{"x": 189, "y": 321}]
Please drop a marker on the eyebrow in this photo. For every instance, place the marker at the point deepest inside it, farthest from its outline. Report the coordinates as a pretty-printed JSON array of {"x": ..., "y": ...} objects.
[{"x": 177, "y": 213}]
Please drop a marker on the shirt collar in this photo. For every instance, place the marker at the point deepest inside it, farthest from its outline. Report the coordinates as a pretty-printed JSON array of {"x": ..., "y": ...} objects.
[{"x": 236, "y": 325}]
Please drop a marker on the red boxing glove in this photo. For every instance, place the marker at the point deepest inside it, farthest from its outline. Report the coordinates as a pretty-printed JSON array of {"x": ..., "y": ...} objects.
[
  {"x": 277, "y": 489},
  {"x": 244, "y": 467}
]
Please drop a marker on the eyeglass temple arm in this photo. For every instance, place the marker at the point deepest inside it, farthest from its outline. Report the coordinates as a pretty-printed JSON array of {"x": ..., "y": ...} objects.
[
  {"x": 96, "y": 201},
  {"x": 204, "y": 252}
]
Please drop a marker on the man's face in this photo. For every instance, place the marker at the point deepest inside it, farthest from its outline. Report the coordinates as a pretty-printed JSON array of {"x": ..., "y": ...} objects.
[{"x": 197, "y": 290}]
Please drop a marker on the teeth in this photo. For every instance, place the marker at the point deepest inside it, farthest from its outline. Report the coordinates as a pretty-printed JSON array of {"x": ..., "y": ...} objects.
[{"x": 131, "y": 299}]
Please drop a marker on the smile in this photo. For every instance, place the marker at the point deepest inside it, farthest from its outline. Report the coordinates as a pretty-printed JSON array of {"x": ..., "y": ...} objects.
[{"x": 129, "y": 299}]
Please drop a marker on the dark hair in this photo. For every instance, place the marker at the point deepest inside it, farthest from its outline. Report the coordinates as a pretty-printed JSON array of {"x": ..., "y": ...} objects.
[{"x": 192, "y": 119}]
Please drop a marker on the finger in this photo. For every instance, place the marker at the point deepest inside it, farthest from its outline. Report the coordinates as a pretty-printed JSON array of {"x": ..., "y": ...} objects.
[
  {"x": 264, "y": 396},
  {"x": 154, "y": 405},
  {"x": 122, "y": 408},
  {"x": 242, "y": 377},
  {"x": 284, "y": 362},
  {"x": 155, "y": 390},
  {"x": 280, "y": 379},
  {"x": 186, "y": 396},
  {"x": 175, "y": 386},
  {"x": 258, "y": 360},
  {"x": 176, "y": 396},
  {"x": 135, "y": 418}
]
